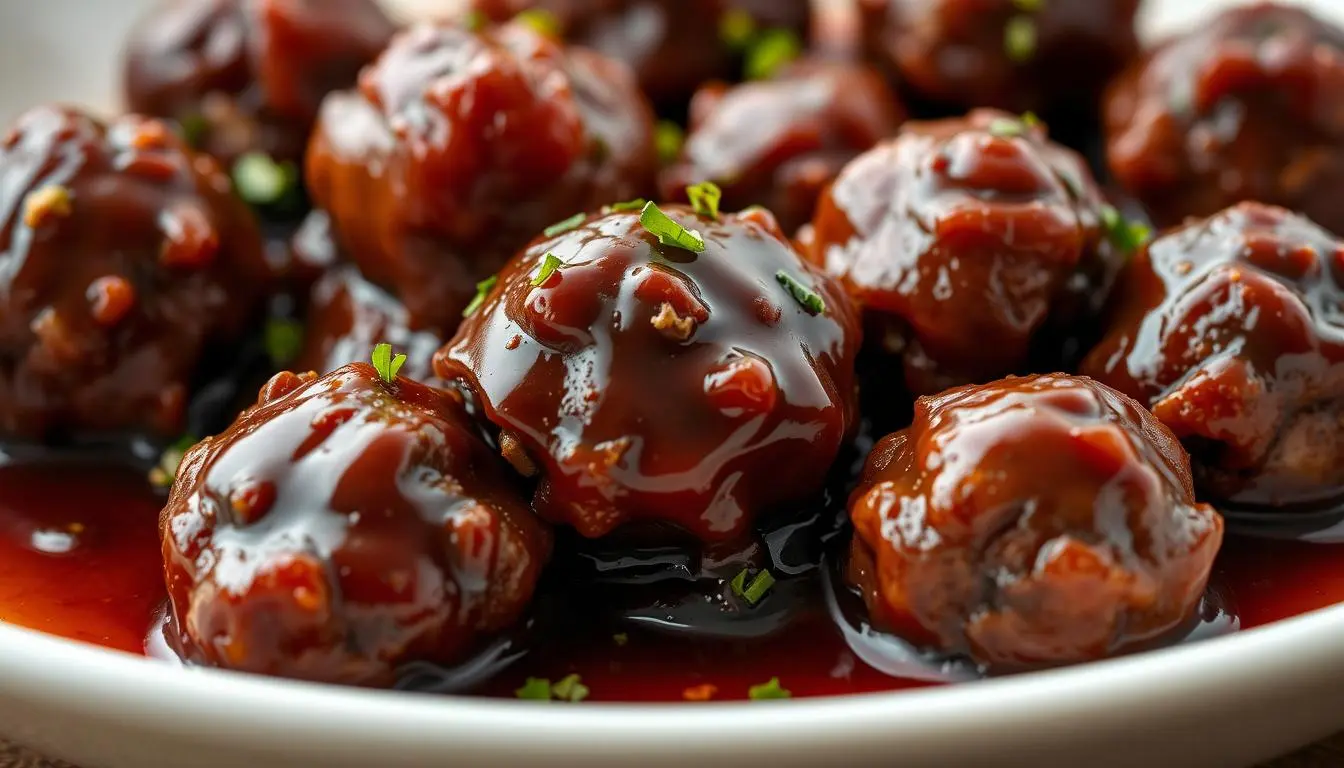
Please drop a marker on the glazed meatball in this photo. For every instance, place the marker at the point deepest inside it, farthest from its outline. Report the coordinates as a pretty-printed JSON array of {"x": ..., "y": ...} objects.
[
  {"x": 125, "y": 258},
  {"x": 673, "y": 45},
  {"x": 1245, "y": 107},
  {"x": 779, "y": 142},
  {"x": 1230, "y": 328},
  {"x": 1031, "y": 521},
  {"x": 645, "y": 381},
  {"x": 1011, "y": 54},
  {"x": 342, "y": 527},
  {"x": 968, "y": 242},
  {"x": 248, "y": 75},
  {"x": 460, "y": 147}
]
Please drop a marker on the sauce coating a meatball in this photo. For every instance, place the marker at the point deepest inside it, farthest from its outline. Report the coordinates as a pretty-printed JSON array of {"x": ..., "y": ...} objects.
[
  {"x": 460, "y": 147},
  {"x": 123, "y": 257},
  {"x": 779, "y": 142},
  {"x": 249, "y": 75},
  {"x": 1245, "y": 107},
  {"x": 644, "y": 381},
  {"x": 1231, "y": 329},
  {"x": 1031, "y": 521},
  {"x": 1011, "y": 54},
  {"x": 967, "y": 242},
  {"x": 344, "y": 526}
]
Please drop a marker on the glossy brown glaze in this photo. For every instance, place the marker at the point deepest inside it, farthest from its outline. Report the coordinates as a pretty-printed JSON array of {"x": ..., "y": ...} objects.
[
  {"x": 1031, "y": 521},
  {"x": 779, "y": 142},
  {"x": 124, "y": 255},
  {"x": 647, "y": 382},
  {"x": 968, "y": 242},
  {"x": 460, "y": 147},
  {"x": 343, "y": 527},
  {"x": 1244, "y": 107},
  {"x": 249, "y": 75},
  {"x": 1010, "y": 54},
  {"x": 673, "y": 45},
  {"x": 1231, "y": 329}
]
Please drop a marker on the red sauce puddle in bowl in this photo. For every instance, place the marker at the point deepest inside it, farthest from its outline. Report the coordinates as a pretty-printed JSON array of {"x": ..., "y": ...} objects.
[{"x": 79, "y": 558}]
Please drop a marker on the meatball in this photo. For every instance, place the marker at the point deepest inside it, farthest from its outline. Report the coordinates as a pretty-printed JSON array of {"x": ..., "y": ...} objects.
[
  {"x": 125, "y": 257},
  {"x": 779, "y": 142},
  {"x": 342, "y": 527},
  {"x": 673, "y": 45},
  {"x": 1245, "y": 107},
  {"x": 1231, "y": 329},
  {"x": 249, "y": 75},
  {"x": 699, "y": 384},
  {"x": 1031, "y": 521},
  {"x": 1012, "y": 54},
  {"x": 971, "y": 244},
  {"x": 460, "y": 147}
]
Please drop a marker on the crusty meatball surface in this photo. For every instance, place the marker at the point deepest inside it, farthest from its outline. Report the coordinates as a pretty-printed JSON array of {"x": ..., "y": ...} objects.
[
  {"x": 459, "y": 147},
  {"x": 1243, "y": 107},
  {"x": 1231, "y": 329},
  {"x": 661, "y": 383},
  {"x": 124, "y": 256},
  {"x": 1031, "y": 521},
  {"x": 973, "y": 245},
  {"x": 343, "y": 527},
  {"x": 248, "y": 75}
]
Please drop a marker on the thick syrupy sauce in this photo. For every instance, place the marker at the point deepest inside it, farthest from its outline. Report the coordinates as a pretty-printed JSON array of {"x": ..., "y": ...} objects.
[{"x": 79, "y": 558}]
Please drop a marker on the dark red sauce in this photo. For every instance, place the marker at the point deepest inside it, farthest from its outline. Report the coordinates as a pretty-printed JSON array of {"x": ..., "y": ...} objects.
[{"x": 79, "y": 558}]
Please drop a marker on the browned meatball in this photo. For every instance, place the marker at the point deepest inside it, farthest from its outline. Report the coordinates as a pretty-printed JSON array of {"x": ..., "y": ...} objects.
[
  {"x": 1031, "y": 521},
  {"x": 124, "y": 256},
  {"x": 643, "y": 381},
  {"x": 967, "y": 242},
  {"x": 673, "y": 45},
  {"x": 1012, "y": 54},
  {"x": 1245, "y": 107},
  {"x": 343, "y": 527},
  {"x": 460, "y": 147},
  {"x": 1231, "y": 328},
  {"x": 249, "y": 75},
  {"x": 779, "y": 142}
]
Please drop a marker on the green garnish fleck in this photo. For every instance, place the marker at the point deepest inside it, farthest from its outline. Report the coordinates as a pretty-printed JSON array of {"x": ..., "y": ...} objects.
[
  {"x": 770, "y": 52},
  {"x": 668, "y": 138},
  {"x": 193, "y": 128},
  {"x": 736, "y": 29},
  {"x": 1006, "y": 127},
  {"x": 620, "y": 638},
  {"x": 284, "y": 339},
  {"x": 1019, "y": 39},
  {"x": 768, "y": 690},
  {"x": 739, "y": 582},
  {"x": 548, "y": 266},
  {"x": 1029, "y": 6},
  {"x": 628, "y": 205},
  {"x": 474, "y": 21},
  {"x": 570, "y": 688},
  {"x": 262, "y": 181},
  {"x": 705, "y": 198},
  {"x": 536, "y": 689},
  {"x": 758, "y": 587},
  {"x": 387, "y": 365},
  {"x": 1030, "y": 120},
  {"x": 808, "y": 299},
  {"x": 1126, "y": 234},
  {"x": 669, "y": 232},
  {"x": 483, "y": 289},
  {"x": 541, "y": 21},
  {"x": 162, "y": 476},
  {"x": 561, "y": 227}
]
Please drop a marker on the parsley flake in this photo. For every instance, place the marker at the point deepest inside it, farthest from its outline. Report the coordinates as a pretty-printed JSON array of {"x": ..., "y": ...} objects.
[
  {"x": 536, "y": 689},
  {"x": 669, "y": 232},
  {"x": 773, "y": 50},
  {"x": 262, "y": 181},
  {"x": 542, "y": 21},
  {"x": 770, "y": 689},
  {"x": 561, "y": 227},
  {"x": 736, "y": 29},
  {"x": 760, "y": 585},
  {"x": 1126, "y": 234},
  {"x": 705, "y": 198},
  {"x": 483, "y": 289},
  {"x": 549, "y": 265},
  {"x": 570, "y": 688},
  {"x": 808, "y": 299},
  {"x": 739, "y": 582},
  {"x": 193, "y": 128},
  {"x": 284, "y": 339},
  {"x": 1019, "y": 39},
  {"x": 1006, "y": 128},
  {"x": 668, "y": 138},
  {"x": 628, "y": 205},
  {"x": 387, "y": 365}
]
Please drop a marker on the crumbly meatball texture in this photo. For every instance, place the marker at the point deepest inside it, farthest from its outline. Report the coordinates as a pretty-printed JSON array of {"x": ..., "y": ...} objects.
[
  {"x": 642, "y": 381},
  {"x": 1031, "y": 521},
  {"x": 343, "y": 527}
]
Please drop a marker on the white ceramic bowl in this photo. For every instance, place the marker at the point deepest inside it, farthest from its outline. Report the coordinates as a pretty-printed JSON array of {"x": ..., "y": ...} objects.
[{"x": 1226, "y": 702}]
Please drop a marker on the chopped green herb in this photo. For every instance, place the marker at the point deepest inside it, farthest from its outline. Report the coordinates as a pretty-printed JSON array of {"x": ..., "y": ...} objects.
[
  {"x": 387, "y": 365},
  {"x": 669, "y": 232},
  {"x": 628, "y": 205},
  {"x": 1125, "y": 234},
  {"x": 193, "y": 129},
  {"x": 541, "y": 21},
  {"x": 808, "y": 299},
  {"x": 284, "y": 338},
  {"x": 262, "y": 181},
  {"x": 1029, "y": 6},
  {"x": 483, "y": 289},
  {"x": 758, "y": 587},
  {"x": 561, "y": 227},
  {"x": 736, "y": 29},
  {"x": 768, "y": 690},
  {"x": 1006, "y": 127},
  {"x": 705, "y": 198},
  {"x": 536, "y": 689},
  {"x": 1030, "y": 120},
  {"x": 668, "y": 138},
  {"x": 1019, "y": 39},
  {"x": 620, "y": 638},
  {"x": 165, "y": 472},
  {"x": 773, "y": 50},
  {"x": 570, "y": 688},
  {"x": 474, "y": 21},
  {"x": 739, "y": 582},
  {"x": 548, "y": 266}
]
